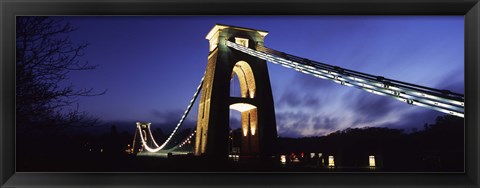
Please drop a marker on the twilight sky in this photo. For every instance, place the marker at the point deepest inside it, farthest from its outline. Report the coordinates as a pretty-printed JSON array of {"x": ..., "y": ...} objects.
[{"x": 151, "y": 67}]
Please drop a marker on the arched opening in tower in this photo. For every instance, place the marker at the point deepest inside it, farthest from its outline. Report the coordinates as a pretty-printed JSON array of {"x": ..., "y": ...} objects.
[
  {"x": 248, "y": 136},
  {"x": 242, "y": 81}
]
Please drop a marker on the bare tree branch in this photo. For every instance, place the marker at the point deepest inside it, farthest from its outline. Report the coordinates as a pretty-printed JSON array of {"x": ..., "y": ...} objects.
[{"x": 45, "y": 56}]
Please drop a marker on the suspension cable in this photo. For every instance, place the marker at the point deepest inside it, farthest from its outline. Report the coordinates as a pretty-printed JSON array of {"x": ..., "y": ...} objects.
[
  {"x": 189, "y": 107},
  {"x": 440, "y": 100}
]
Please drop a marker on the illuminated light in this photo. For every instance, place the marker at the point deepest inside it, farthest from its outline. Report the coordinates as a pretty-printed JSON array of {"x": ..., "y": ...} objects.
[
  {"x": 283, "y": 159},
  {"x": 213, "y": 36},
  {"x": 252, "y": 129},
  {"x": 311, "y": 68},
  {"x": 101, "y": 150},
  {"x": 242, "y": 107},
  {"x": 146, "y": 146},
  {"x": 151, "y": 136},
  {"x": 320, "y": 154},
  {"x": 371, "y": 161},
  {"x": 295, "y": 159},
  {"x": 312, "y": 155},
  {"x": 320, "y": 76},
  {"x": 366, "y": 85},
  {"x": 331, "y": 161},
  {"x": 245, "y": 131},
  {"x": 242, "y": 41}
]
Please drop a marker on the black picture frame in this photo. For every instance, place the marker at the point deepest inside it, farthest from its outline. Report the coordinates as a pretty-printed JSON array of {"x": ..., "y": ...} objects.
[{"x": 10, "y": 8}]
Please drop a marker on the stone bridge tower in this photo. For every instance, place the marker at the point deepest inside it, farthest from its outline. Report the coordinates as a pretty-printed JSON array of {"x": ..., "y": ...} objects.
[{"x": 259, "y": 131}]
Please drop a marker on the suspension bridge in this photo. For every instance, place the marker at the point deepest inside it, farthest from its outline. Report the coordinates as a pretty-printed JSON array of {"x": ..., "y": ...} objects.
[{"x": 240, "y": 51}]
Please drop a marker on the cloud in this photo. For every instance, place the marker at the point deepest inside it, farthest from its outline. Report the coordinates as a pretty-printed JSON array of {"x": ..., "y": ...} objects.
[
  {"x": 310, "y": 82},
  {"x": 302, "y": 124},
  {"x": 168, "y": 119},
  {"x": 291, "y": 98},
  {"x": 370, "y": 106},
  {"x": 345, "y": 109},
  {"x": 453, "y": 81},
  {"x": 167, "y": 115},
  {"x": 305, "y": 91},
  {"x": 305, "y": 124}
]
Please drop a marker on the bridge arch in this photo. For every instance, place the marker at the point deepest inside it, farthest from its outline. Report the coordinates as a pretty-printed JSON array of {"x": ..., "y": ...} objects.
[{"x": 246, "y": 79}]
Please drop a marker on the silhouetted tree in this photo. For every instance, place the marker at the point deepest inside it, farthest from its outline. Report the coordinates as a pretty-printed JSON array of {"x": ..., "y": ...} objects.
[{"x": 44, "y": 57}]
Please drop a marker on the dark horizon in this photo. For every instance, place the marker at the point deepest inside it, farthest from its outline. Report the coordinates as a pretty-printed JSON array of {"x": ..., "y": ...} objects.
[{"x": 433, "y": 149}]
